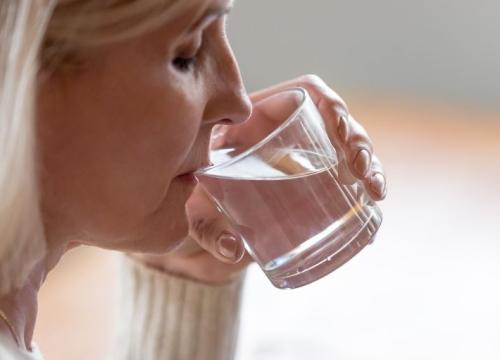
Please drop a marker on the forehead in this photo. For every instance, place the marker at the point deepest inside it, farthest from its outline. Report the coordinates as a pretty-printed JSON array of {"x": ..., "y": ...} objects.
[
  {"x": 189, "y": 17},
  {"x": 200, "y": 9}
]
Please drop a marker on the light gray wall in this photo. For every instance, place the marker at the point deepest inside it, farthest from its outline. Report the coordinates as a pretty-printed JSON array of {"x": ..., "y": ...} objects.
[{"x": 437, "y": 49}]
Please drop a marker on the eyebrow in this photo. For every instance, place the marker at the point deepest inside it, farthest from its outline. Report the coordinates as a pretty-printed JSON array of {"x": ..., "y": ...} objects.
[{"x": 209, "y": 14}]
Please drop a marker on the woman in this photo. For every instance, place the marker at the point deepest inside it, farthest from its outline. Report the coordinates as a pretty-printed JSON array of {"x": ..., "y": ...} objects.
[{"x": 105, "y": 106}]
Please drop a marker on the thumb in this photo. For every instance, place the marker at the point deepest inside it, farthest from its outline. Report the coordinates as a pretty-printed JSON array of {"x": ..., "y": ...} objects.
[{"x": 211, "y": 230}]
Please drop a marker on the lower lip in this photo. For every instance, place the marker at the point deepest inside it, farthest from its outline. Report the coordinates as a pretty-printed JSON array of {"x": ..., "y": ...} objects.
[{"x": 188, "y": 179}]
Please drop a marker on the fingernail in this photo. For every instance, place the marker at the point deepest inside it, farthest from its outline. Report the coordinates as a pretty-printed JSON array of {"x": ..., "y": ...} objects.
[
  {"x": 377, "y": 183},
  {"x": 228, "y": 246},
  {"x": 362, "y": 162},
  {"x": 343, "y": 129}
]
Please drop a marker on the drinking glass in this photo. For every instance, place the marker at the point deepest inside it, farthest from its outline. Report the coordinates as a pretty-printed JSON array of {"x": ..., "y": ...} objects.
[{"x": 278, "y": 184}]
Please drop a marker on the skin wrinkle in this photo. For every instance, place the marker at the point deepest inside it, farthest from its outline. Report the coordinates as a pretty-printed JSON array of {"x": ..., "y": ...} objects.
[
  {"x": 113, "y": 135},
  {"x": 153, "y": 112}
]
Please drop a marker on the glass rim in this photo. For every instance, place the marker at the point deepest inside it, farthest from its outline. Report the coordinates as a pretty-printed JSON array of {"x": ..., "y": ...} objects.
[{"x": 267, "y": 138}]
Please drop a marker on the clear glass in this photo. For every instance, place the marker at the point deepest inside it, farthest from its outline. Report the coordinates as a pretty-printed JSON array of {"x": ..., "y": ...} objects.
[{"x": 279, "y": 186}]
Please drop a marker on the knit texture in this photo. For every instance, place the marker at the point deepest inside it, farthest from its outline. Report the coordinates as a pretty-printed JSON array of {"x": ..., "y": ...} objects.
[
  {"x": 10, "y": 351},
  {"x": 167, "y": 317}
]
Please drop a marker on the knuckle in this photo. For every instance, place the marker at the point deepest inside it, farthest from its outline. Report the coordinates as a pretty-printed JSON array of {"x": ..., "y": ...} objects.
[
  {"x": 330, "y": 98},
  {"x": 377, "y": 168},
  {"x": 205, "y": 229},
  {"x": 357, "y": 126},
  {"x": 375, "y": 160},
  {"x": 359, "y": 141},
  {"x": 337, "y": 101},
  {"x": 312, "y": 80},
  {"x": 334, "y": 107},
  {"x": 358, "y": 136},
  {"x": 336, "y": 104}
]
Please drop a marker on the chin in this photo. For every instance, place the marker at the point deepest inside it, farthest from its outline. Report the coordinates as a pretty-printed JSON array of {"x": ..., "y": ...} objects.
[
  {"x": 154, "y": 242},
  {"x": 166, "y": 229},
  {"x": 159, "y": 232},
  {"x": 164, "y": 239}
]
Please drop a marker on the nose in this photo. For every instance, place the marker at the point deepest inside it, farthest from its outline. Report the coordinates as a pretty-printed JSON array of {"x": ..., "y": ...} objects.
[{"x": 229, "y": 101}]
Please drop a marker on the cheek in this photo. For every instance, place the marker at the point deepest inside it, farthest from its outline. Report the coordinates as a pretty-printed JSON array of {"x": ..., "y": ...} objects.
[{"x": 108, "y": 160}]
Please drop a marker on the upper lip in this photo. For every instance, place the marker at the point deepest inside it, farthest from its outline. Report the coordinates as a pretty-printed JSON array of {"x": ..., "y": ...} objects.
[
  {"x": 193, "y": 168},
  {"x": 200, "y": 155}
]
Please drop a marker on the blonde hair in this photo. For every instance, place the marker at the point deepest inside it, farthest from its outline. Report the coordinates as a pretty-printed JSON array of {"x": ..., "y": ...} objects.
[{"x": 47, "y": 32}]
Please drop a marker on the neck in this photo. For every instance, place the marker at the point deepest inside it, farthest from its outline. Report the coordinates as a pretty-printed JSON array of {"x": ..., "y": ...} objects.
[{"x": 20, "y": 306}]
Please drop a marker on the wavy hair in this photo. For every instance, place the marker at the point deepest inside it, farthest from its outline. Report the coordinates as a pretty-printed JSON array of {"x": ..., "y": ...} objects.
[{"x": 35, "y": 34}]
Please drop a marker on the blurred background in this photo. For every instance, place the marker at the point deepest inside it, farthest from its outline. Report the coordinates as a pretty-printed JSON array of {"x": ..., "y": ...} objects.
[
  {"x": 424, "y": 79},
  {"x": 438, "y": 50}
]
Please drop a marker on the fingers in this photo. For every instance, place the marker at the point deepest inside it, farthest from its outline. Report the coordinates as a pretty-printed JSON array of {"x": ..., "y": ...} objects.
[
  {"x": 375, "y": 181},
  {"x": 355, "y": 145},
  {"x": 356, "y": 160},
  {"x": 266, "y": 117},
  {"x": 211, "y": 229},
  {"x": 207, "y": 268},
  {"x": 347, "y": 135},
  {"x": 199, "y": 265},
  {"x": 320, "y": 92}
]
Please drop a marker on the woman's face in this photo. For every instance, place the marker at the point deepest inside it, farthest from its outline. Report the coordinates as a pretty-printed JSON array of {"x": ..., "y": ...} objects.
[{"x": 114, "y": 136}]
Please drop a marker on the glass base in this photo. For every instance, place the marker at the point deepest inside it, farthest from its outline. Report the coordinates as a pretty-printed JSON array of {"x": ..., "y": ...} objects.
[{"x": 324, "y": 258}]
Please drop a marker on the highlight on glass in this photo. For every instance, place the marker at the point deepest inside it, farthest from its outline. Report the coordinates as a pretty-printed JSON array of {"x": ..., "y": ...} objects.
[{"x": 279, "y": 186}]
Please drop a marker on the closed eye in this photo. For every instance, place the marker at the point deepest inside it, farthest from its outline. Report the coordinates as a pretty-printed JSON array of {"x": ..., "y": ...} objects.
[{"x": 184, "y": 64}]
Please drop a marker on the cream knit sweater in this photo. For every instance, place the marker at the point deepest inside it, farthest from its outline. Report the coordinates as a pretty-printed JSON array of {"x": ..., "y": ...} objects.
[{"x": 166, "y": 317}]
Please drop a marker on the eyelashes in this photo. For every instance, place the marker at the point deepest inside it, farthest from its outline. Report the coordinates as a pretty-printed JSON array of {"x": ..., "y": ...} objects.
[
  {"x": 187, "y": 57},
  {"x": 192, "y": 53},
  {"x": 184, "y": 64}
]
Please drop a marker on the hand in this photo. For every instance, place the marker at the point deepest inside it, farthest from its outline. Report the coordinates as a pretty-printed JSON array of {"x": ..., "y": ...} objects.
[
  {"x": 350, "y": 139},
  {"x": 213, "y": 251}
]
